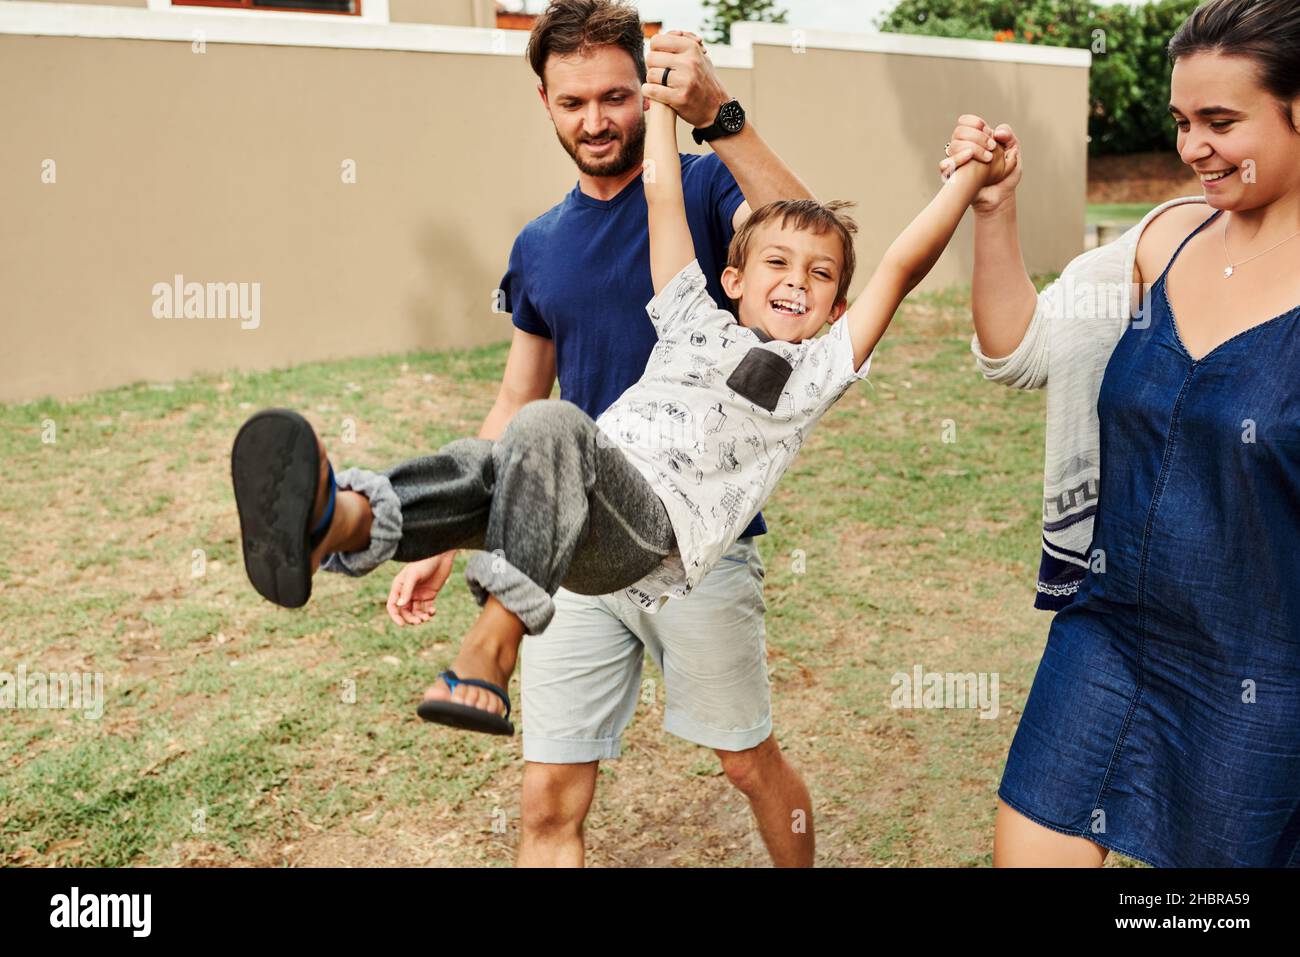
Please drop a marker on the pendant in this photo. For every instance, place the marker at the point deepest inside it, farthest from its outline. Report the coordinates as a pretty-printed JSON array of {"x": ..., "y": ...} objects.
[{"x": 1227, "y": 273}]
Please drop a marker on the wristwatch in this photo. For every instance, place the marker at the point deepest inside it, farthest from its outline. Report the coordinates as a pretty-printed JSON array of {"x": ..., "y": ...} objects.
[{"x": 730, "y": 121}]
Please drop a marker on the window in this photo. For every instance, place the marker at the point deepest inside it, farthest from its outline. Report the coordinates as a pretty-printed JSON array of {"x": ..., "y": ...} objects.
[{"x": 308, "y": 6}]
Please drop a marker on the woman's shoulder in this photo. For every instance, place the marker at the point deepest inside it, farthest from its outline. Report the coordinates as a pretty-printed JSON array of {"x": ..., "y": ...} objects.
[{"x": 1162, "y": 230}]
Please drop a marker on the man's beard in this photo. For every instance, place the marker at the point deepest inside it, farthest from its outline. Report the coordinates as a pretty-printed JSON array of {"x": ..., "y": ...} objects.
[{"x": 625, "y": 157}]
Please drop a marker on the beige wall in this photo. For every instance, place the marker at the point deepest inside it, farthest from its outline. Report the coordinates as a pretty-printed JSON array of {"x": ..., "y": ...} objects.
[
  {"x": 460, "y": 13},
  {"x": 871, "y": 127},
  {"x": 225, "y": 167}
]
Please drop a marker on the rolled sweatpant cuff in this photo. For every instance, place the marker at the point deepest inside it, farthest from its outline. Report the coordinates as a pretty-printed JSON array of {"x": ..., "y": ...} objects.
[
  {"x": 385, "y": 523},
  {"x": 490, "y": 574}
]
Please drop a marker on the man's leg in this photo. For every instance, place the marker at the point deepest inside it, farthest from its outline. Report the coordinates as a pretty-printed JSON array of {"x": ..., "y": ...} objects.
[
  {"x": 712, "y": 650},
  {"x": 779, "y": 798},
  {"x": 580, "y": 682},
  {"x": 555, "y": 802}
]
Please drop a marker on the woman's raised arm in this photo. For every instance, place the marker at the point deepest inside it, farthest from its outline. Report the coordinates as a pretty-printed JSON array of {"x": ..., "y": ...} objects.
[{"x": 1003, "y": 297}]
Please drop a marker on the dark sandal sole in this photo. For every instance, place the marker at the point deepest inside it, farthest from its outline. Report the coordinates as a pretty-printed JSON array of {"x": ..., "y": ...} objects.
[
  {"x": 275, "y": 468},
  {"x": 463, "y": 716}
]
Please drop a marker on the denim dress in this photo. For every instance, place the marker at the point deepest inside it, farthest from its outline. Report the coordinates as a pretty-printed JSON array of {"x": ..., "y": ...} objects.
[{"x": 1164, "y": 719}]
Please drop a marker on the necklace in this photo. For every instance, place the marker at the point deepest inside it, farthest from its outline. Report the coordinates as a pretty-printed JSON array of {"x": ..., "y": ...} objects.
[{"x": 1232, "y": 267}]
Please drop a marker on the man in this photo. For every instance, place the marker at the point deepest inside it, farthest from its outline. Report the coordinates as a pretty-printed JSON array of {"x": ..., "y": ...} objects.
[{"x": 576, "y": 286}]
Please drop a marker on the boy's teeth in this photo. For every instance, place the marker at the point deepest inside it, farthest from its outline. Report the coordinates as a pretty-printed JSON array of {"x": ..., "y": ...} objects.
[{"x": 1211, "y": 177}]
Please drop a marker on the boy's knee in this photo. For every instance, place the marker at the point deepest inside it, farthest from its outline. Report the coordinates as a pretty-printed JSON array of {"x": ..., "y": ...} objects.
[{"x": 545, "y": 418}]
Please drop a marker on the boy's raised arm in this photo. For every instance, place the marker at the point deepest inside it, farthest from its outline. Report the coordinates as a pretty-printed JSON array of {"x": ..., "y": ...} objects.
[
  {"x": 671, "y": 246},
  {"x": 913, "y": 254}
]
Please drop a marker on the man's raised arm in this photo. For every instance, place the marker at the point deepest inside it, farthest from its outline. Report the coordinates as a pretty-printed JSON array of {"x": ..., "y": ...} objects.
[{"x": 695, "y": 93}]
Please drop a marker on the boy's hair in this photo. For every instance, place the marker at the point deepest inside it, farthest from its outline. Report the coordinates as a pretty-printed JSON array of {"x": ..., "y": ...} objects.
[
  {"x": 801, "y": 214},
  {"x": 579, "y": 26}
]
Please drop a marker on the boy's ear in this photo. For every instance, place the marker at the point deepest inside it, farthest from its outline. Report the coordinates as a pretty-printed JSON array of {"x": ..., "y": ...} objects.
[
  {"x": 731, "y": 282},
  {"x": 838, "y": 309}
]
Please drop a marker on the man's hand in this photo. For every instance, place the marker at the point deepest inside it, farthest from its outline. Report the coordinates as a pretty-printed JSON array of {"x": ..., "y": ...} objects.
[
  {"x": 975, "y": 139},
  {"x": 693, "y": 91},
  {"x": 410, "y": 600}
]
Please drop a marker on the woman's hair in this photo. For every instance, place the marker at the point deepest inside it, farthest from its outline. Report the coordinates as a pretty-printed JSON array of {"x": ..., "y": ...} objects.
[
  {"x": 579, "y": 26},
  {"x": 801, "y": 214},
  {"x": 1267, "y": 31}
]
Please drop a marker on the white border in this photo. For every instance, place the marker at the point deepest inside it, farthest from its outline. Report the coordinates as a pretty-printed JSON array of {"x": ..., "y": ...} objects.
[
  {"x": 161, "y": 21},
  {"x": 372, "y": 11},
  {"x": 745, "y": 35},
  {"x": 263, "y": 27}
]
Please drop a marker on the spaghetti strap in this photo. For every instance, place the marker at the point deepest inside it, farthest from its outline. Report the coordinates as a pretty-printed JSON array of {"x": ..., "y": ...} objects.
[{"x": 1208, "y": 220}]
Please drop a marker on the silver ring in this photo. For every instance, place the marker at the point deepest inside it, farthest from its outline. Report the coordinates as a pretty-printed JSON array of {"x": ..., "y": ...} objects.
[{"x": 947, "y": 149}]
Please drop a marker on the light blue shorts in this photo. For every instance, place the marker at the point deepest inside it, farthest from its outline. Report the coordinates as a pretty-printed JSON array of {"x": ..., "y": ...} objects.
[{"x": 581, "y": 677}]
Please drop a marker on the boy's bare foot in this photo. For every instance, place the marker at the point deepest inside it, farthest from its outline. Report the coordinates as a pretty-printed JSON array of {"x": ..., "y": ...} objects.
[
  {"x": 322, "y": 501},
  {"x": 349, "y": 528}
]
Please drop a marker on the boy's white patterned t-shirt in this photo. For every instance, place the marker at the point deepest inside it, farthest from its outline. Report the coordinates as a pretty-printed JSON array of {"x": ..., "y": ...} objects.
[{"x": 715, "y": 420}]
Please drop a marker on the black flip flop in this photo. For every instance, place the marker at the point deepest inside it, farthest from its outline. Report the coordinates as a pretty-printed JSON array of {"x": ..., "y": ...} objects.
[
  {"x": 466, "y": 716},
  {"x": 275, "y": 468}
]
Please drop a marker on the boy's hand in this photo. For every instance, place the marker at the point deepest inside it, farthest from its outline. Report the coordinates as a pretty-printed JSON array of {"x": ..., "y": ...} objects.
[
  {"x": 994, "y": 171},
  {"x": 410, "y": 600},
  {"x": 694, "y": 91},
  {"x": 973, "y": 139}
]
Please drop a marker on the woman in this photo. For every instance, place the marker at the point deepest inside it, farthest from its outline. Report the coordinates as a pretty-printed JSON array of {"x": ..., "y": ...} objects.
[{"x": 1164, "y": 719}]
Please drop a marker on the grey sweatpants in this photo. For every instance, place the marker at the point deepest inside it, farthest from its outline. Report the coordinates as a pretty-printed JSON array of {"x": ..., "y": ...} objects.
[{"x": 551, "y": 503}]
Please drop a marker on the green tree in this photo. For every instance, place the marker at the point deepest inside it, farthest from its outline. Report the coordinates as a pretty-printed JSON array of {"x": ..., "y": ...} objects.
[
  {"x": 1129, "y": 83},
  {"x": 723, "y": 13}
]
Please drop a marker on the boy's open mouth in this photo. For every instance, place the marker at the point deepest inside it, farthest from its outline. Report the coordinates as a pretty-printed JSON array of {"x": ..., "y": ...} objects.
[{"x": 788, "y": 307}]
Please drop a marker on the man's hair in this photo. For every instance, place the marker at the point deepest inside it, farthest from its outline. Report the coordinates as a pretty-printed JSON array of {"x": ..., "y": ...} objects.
[
  {"x": 580, "y": 26},
  {"x": 801, "y": 214}
]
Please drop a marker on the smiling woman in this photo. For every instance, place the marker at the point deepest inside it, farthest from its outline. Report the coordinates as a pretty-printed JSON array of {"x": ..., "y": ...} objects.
[{"x": 1164, "y": 720}]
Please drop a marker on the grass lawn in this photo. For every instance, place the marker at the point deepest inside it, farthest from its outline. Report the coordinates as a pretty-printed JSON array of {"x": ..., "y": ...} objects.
[
  {"x": 238, "y": 732},
  {"x": 1117, "y": 212}
]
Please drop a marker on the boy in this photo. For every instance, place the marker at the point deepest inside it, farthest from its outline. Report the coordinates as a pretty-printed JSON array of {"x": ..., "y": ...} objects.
[{"x": 648, "y": 497}]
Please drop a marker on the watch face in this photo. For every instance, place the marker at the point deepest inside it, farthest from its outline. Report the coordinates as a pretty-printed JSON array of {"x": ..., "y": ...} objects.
[{"x": 732, "y": 117}]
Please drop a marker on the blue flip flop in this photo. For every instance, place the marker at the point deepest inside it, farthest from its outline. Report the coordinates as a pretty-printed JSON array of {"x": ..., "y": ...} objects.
[
  {"x": 275, "y": 469},
  {"x": 466, "y": 716}
]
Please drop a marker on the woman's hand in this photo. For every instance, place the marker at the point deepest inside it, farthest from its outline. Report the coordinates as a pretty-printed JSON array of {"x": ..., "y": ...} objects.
[
  {"x": 973, "y": 139},
  {"x": 410, "y": 600}
]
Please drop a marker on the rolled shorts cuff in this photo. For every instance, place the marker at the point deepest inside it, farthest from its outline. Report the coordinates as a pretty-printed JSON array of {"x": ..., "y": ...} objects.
[
  {"x": 491, "y": 574},
  {"x": 738, "y": 740},
  {"x": 570, "y": 750},
  {"x": 385, "y": 523}
]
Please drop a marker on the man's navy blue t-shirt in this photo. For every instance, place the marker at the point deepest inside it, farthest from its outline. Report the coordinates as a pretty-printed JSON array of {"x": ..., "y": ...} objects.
[{"x": 580, "y": 274}]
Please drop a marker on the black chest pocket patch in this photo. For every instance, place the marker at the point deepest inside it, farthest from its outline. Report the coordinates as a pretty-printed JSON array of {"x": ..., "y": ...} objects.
[{"x": 760, "y": 377}]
